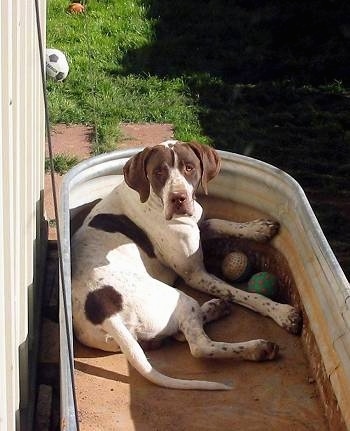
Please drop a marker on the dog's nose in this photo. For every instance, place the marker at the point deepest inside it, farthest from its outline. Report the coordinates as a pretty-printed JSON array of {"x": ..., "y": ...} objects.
[
  {"x": 178, "y": 203},
  {"x": 178, "y": 198}
]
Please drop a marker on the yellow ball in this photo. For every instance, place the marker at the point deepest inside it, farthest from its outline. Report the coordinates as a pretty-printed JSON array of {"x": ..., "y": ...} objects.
[{"x": 236, "y": 266}]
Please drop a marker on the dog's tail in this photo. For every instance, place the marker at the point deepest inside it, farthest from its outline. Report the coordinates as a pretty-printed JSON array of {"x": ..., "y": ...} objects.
[{"x": 137, "y": 358}]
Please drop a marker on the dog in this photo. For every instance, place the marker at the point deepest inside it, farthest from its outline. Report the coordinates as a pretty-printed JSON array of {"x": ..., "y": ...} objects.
[{"x": 134, "y": 244}]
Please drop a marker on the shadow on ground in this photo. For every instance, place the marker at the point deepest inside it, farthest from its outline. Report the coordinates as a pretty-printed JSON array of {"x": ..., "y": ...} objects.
[{"x": 268, "y": 79}]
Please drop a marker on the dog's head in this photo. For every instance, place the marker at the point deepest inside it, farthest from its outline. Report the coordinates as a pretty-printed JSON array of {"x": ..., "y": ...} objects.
[{"x": 173, "y": 171}]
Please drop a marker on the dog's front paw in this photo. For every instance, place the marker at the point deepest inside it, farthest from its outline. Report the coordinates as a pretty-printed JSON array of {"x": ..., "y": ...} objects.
[
  {"x": 215, "y": 309},
  {"x": 264, "y": 229},
  {"x": 263, "y": 351},
  {"x": 223, "y": 306},
  {"x": 289, "y": 318}
]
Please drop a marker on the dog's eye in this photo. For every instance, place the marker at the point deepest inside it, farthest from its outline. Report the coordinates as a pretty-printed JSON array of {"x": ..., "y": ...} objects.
[
  {"x": 189, "y": 168},
  {"x": 158, "y": 172}
]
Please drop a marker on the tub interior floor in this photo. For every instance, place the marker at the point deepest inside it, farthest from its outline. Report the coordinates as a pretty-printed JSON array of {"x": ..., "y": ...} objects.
[{"x": 276, "y": 395}]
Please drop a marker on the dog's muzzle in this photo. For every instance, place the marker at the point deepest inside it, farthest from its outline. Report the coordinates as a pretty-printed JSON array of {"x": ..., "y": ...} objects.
[{"x": 178, "y": 203}]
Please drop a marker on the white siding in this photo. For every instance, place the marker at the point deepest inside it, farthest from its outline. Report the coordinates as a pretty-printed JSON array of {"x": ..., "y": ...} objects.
[{"x": 21, "y": 185}]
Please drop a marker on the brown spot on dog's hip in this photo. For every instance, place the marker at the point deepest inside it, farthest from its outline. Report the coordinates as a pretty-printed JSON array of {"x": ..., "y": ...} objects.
[{"x": 102, "y": 303}]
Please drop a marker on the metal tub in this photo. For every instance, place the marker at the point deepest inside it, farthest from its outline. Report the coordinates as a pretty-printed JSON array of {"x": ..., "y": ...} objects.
[{"x": 321, "y": 284}]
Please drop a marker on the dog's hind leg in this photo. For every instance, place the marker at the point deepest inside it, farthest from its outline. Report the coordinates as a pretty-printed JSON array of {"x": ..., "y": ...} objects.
[
  {"x": 211, "y": 310},
  {"x": 202, "y": 346}
]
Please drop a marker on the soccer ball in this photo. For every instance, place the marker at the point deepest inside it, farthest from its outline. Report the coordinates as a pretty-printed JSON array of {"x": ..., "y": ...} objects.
[{"x": 56, "y": 64}]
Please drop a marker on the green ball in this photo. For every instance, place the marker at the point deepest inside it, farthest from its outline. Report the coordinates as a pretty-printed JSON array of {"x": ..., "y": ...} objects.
[{"x": 263, "y": 283}]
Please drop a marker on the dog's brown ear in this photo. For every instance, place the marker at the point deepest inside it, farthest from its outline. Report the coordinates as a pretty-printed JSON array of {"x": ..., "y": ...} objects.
[
  {"x": 135, "y": 174},
  {"x": 210, "y": 163}
]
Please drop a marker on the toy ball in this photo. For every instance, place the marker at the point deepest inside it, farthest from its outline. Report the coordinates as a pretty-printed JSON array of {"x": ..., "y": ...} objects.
[
  {"x": 76, "y": 8},
  {"x": 263, "y": 283},
  {"x": 236, "y": 266},
  {"x": 57, "y": 66}
]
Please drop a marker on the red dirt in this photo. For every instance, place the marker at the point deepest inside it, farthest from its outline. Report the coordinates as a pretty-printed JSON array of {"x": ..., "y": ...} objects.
[
  {"x": 72, "y": 139},
  {"x": 144, "y": 135}
]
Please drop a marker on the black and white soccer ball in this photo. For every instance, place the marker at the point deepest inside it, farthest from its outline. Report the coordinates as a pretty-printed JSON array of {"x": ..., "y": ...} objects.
[{"x": 56, "y": 64}]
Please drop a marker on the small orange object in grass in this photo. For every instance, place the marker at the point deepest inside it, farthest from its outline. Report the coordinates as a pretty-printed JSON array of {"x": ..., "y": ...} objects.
[{"x": 76, "y": 8}]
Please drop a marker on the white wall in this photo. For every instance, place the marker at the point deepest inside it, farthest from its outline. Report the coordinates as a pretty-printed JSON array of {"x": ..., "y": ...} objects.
[{"x": 21, "y": 185}]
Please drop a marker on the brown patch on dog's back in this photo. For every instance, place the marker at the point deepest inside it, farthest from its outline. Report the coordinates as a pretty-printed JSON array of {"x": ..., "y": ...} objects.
[
  {"x": 121, "y": 223},
  {"x": 78, "y": 219},
  {"x": 102, "y": 303}
]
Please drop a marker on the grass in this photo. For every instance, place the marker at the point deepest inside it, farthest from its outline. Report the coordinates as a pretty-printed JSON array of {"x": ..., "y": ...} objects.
[
  {"x": 61, "y": 163},
  {"x": 264, "y": 78},
  {"x": 98, "y": 91}
]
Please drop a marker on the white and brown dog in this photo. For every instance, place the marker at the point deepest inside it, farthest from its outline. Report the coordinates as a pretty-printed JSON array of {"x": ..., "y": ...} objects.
[{"x": 133, "y": 245}]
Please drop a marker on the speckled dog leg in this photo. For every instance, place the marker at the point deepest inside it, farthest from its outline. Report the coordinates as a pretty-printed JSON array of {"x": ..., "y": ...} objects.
[{"x": 258, "y": 230}]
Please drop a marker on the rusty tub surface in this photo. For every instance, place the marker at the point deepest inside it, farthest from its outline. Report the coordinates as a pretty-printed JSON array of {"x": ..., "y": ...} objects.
[{"x": 306, "y": 388}]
